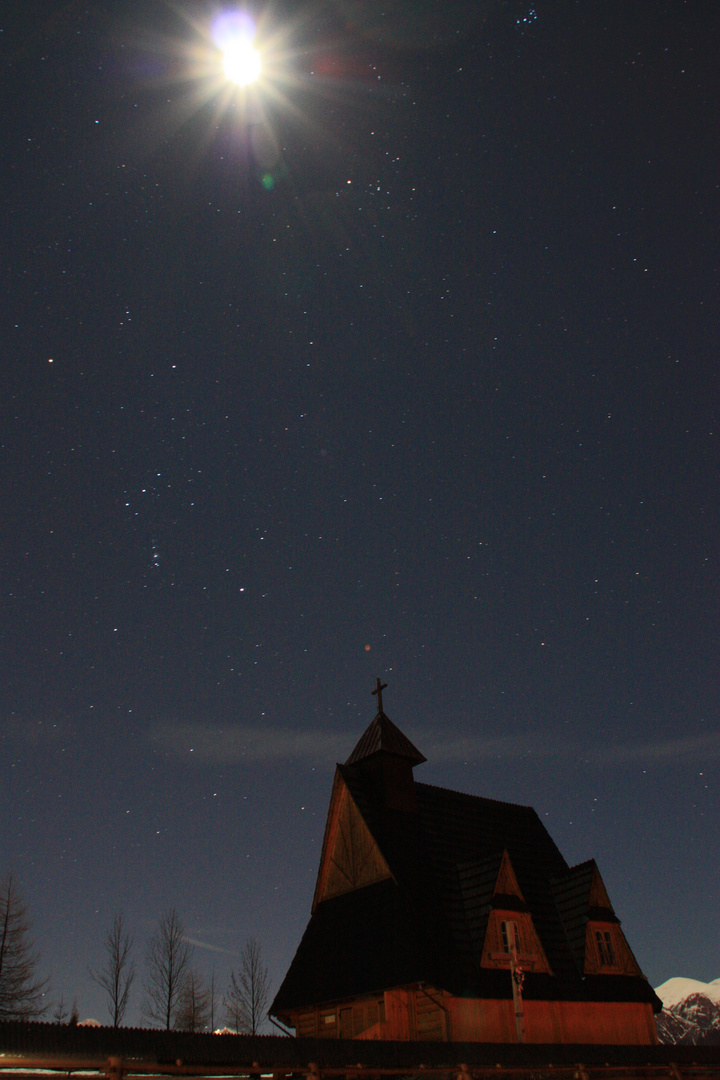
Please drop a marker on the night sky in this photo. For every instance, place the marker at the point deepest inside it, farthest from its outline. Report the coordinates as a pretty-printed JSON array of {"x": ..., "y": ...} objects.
[{"x": 400, "y": 362}]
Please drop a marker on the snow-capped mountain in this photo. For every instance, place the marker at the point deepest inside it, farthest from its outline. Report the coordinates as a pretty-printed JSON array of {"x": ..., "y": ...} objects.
[{"x": 691, "y": 1011}]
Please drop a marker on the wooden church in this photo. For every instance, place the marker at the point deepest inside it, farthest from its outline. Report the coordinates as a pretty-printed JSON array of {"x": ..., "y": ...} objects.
[{"x": 450, "y": 917}]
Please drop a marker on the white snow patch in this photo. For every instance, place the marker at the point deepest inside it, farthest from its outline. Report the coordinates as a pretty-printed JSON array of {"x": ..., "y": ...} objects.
[{"x": 674, "y": 991}]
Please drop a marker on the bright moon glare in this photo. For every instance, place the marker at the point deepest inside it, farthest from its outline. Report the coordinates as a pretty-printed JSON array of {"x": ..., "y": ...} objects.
[
  {"x": 233, "y": 33},
  {"x": 241, "y": 62}
]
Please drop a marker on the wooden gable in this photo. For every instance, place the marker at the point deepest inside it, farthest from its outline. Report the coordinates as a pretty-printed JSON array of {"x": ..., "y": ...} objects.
[
  {"x": 606, "y": 949},
  {"x": 507, "y": 883},
  {"x": 351, "y": 859},
  {"x": 510, "y": 926},
  {"x": 598, "y": 899}
]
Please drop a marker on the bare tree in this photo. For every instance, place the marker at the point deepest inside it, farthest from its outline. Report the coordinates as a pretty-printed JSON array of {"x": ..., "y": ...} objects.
[
  {"x": 60, "y": 1012},
  {"x": 247, "y": 996},
  {"x": 168, "y": 962},
  {"x": 21, "y": 992},
  {"x": 118, "y": 972},
  {"x": 212, "y": 1000},
  {"x": 193, "y": 1009}
]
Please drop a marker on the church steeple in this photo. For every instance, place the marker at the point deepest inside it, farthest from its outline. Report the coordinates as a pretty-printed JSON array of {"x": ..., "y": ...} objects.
[
  {"x": 382, "y": 736},
  {"x": 386, "y": 754}
]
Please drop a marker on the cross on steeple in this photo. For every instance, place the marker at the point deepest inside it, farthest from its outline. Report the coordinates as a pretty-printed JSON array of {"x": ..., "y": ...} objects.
[{"x": 378, "y": 690}]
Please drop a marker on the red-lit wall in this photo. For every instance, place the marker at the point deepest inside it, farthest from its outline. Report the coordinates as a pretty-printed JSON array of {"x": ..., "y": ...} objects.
[{"x": 427, "y": 1014}]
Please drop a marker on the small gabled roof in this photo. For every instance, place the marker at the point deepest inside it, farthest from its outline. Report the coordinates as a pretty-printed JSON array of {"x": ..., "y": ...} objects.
[
  {"x": 484, "y": 884},
  {"x": 383, "y": 736},
  {"x": 467, "y": 840},
  {"x": 580, "y": 896},
  {"x": 572, "y": 891}
]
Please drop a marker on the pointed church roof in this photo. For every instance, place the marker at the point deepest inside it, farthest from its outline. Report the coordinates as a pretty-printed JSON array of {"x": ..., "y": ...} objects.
[{"x": 383, "y": 735}]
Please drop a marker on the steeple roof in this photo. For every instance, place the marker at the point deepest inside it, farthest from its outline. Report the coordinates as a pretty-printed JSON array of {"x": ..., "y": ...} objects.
[{"x": 383, "y": 736}]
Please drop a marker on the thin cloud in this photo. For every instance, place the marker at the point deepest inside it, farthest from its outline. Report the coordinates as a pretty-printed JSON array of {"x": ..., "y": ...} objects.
[
  {"x": 705, "y": 747},
  {"x": 501, "y": 748},
  {"x": 237, "y": 745},
  {"x": 661, "y": 751},
  {"x": 251, "y": 745}
]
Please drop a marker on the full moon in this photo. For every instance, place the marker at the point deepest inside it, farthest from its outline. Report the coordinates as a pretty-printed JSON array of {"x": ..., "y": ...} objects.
[
  {"x": 234, "y": 33},
  {"x": 241, "y": 62}
]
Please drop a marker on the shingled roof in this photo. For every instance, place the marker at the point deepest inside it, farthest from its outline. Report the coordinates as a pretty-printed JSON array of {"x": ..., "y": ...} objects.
[
  {"x": 383, "y": 735},
  {"x": 426, "y": 922}
]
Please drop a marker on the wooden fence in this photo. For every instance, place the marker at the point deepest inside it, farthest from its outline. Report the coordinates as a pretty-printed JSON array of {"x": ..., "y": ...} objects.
[{"x": 42, "y": 1051}]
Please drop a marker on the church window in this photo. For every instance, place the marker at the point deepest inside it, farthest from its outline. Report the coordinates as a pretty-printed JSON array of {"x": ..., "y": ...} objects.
[
  {"x": 510, "y": 937},
  {"x": 606, "y": 950}
]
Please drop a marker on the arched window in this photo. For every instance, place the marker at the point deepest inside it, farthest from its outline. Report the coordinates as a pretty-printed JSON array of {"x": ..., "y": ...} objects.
[{"x": 605, "y": 948}]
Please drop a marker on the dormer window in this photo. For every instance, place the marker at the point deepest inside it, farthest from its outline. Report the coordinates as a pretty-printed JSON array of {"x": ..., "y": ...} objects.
[{"x": 605, "y": 948}]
